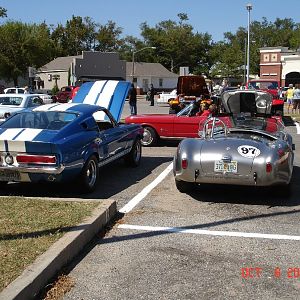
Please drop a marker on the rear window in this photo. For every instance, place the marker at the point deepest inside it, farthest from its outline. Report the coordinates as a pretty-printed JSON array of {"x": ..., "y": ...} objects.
[
  {"x": 11, "y": 100},
  {"x": 51, "y": 120},
  {"x": 263, "y": 85}
]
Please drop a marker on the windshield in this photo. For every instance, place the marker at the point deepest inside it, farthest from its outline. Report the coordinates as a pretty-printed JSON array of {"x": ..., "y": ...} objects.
[
  {"x": 263, "y": 85},
  {"x": 186, "y": 110},
  {"x": 51, "y": 120},
  {"x": 11, "y": 100}
]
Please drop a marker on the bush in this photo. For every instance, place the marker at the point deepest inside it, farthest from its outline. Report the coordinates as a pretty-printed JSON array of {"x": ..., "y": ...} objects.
[{"x": 54, "y": 90}]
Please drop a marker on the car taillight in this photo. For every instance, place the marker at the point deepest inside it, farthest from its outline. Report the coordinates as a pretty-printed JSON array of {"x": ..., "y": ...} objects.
[
  {"x": 36, "y": 159},
  {"x": 268, "y": 167},
  {"x": 184, "y": 163}
]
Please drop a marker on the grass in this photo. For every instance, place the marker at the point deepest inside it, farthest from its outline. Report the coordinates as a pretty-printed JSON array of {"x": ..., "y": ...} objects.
[{"x": 28, "y": 227}]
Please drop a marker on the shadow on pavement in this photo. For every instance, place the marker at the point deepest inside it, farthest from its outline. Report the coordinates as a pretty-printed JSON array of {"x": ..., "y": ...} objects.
[
  {"x": 114, "y": 178},
  {"x": 271, "y": 196},
  {"x": 288, "y": 121}
]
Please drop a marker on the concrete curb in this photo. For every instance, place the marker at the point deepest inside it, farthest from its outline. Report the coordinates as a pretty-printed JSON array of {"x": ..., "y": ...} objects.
[{"x": 36, "y": 276}]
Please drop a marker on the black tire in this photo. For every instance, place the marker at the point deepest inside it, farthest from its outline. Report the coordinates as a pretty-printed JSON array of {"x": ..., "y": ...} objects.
[
  {"x": 89, "y": 175},
  {"x": 3, "y": 184},
  {"x": 150, "y": 137},
  {"x": 184, "y": 186},
  {"x": 133, "y": 158}
]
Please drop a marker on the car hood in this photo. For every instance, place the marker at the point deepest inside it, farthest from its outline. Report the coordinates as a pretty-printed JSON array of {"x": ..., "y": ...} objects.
[
  {"x": 192, "y": 85},
  {"x": 110, "y": 94},
  {"x": 247, "y": 101}
]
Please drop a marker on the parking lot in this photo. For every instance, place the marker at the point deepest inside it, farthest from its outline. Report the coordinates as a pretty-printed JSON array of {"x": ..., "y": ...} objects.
[{"x": 214, "y": 243}]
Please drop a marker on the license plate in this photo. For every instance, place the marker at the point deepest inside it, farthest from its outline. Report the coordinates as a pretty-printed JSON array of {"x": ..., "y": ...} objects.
[
  {"x": 227, "y": 167},
  {"x": 9, "y": 175}
]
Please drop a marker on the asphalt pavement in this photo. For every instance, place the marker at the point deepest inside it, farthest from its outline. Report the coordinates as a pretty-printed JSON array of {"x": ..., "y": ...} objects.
[{"x": 214, "y": 243}]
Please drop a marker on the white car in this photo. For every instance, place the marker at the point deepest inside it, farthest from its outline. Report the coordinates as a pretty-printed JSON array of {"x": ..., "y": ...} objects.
[
  {"x": 165, "y": 97},
  {"x": 14, "y": 90},
  {"x": 12, "y": 103},
  {"x": 47, "y": 99}
]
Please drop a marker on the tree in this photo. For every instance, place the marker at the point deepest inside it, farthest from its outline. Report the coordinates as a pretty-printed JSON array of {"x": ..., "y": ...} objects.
[
  {"x": 3, "y": 12},
  {"x": 23, "y": 45},
  {"x": 76, "y": 36},
  {"x": 177, "y": 45},
  {"x": 108, "y": 37}
]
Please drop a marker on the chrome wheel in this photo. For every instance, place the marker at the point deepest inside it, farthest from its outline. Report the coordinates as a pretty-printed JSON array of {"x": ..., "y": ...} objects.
[
  {"x": 149, "y": 137},
  {"x": 91, "y": 173},
  {"x": 134, "y": 156}
]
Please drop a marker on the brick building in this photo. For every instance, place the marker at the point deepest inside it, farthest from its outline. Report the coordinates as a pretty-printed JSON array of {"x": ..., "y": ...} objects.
[{"x": 281, "y": 64}]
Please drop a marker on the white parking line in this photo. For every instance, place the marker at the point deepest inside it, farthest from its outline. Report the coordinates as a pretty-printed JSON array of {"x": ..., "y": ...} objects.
[
  {"x": 212, "y": 232},
  {"x": 297, "y": 127},
  {"x": 140, "y": 196}
]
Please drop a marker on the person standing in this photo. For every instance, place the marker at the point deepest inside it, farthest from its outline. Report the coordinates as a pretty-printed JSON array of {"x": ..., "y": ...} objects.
[
  {"x": 26, "y": 90},
  {"x": 290, "y": 96},
  {"x": 296, "y": 99},
  {"x": 151, "y": 94},
  {"x": 132, "y": 100}
]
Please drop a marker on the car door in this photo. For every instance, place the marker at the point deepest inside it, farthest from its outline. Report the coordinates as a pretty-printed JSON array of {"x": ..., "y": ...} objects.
[
  {"x": 188, "y": 126},
  {"x": 113, "y": 136}
]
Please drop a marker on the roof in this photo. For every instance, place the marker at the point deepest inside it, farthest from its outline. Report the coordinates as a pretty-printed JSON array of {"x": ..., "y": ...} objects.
[
  {"x": 59, "y": 64},
  {"x": 149, "y": 69}
]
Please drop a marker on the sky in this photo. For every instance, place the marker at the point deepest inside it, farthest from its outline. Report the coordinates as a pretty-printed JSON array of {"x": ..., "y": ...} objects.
[{"x": 212, "y": 16}]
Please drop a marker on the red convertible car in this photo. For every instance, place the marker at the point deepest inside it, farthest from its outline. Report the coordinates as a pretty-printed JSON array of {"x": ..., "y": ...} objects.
[{"x": 188, "y": 123}]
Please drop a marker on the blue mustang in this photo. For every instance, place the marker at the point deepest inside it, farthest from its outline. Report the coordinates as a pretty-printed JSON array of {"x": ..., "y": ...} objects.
[{"x": 58, "y": 142}]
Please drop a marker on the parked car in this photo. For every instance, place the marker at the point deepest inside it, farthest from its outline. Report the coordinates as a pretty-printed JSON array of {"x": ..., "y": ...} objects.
[
  {"x": 74, "y": 92},
  {"x": 189, "y": 88},
  {"x": 14, "y": 90},
  {"x": 65, "y": 142},
  {"x": 47, "y": 99},
  {"x": 187, "y": 124},
  {"x": 12, "y": 103},
  {"x": 166, "y": 97},
  {"x": 255, "y": 151},
  {"x": 272, "y": 87},
  {"x": 64, "y": 95}
]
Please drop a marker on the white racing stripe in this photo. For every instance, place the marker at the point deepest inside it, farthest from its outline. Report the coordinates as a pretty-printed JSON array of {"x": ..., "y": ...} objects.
[
  {"x": 10, "y": 133},
  {"x": 94, "y": 92},
  {"x": 63, "y": 107},
  {"x": 212, "y": 232},
  {"x": 140, "y": 196},
  {"x": 16, "y": 146},
  {"x": 28, "y": 134},
  {"x": 105, "y": 96}
]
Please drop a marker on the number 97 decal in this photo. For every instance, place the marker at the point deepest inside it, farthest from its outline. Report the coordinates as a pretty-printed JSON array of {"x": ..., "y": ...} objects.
[{"x": 248, "y": 151}]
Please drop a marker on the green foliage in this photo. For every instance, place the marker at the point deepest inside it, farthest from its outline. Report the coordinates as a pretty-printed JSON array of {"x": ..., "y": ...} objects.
[
  {"x": 3, "y": 12},
  {"x": 55, "y": 89},
  {"x": 177, "y": 45},
  {"x": 23, "y": 45},
  {"x": 108, "y": 37}
]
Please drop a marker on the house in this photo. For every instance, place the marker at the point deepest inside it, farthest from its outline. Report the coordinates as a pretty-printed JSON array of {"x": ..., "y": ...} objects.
[
  {"x": 143, "y": 74},
  {"x": 91, "y": 66}
]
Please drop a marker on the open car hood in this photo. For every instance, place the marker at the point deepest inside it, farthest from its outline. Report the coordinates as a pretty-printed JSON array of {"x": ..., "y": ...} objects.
[
  {"x": 192, "y": 85},
  {"x": 110, "y": 94},
  {"x": 247, "y": 101}
]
